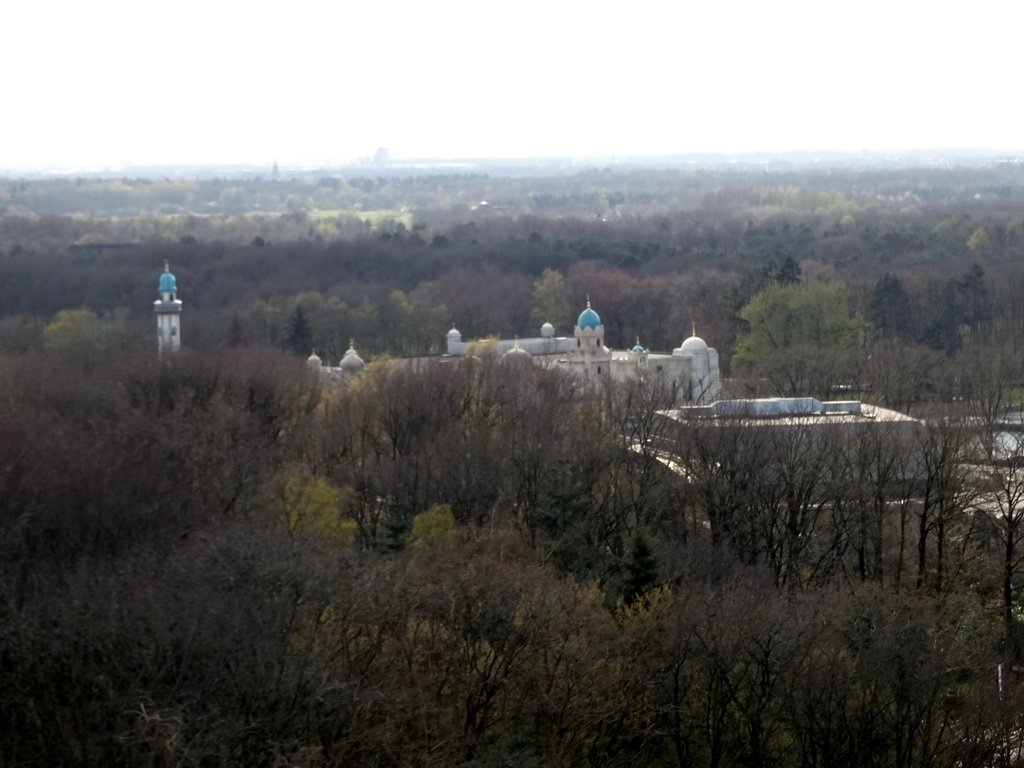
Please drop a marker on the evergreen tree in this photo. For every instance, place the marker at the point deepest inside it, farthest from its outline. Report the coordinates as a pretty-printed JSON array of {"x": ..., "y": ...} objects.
[
  {"x": 974, "y": 295},
  {"x": 943, "y": 332},
  {"x": 300, "y": 335},
  {"x": 889, "y": 308},
  {"x": 788, "y": 272},
  {"x": 641, "y": 571}
]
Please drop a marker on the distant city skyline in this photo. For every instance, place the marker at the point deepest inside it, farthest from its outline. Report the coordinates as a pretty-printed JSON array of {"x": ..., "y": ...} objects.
[{"x": 112, "y": 83}]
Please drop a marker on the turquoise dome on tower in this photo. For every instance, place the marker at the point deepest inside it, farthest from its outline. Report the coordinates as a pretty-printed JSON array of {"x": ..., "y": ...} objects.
[
  {"x": 167, "y": 281},
  {"x": 588, "y": 318}
]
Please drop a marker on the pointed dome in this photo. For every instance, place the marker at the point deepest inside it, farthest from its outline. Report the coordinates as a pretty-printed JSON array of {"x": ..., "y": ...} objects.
[
  {"x": 167, "y": 281},
  {"x": 588, "y": 318},
  {"x": 693, "y": 344},
  {"x": 314, "y": 359},
  {"x": 351, "y": 362},
  {"x": 517, "y": 355}
]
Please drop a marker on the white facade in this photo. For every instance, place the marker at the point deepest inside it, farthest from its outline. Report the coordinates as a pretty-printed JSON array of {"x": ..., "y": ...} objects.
[
  {"x": 536, "y": 345},
  {"x": 704, "y": 380},
  {"x": 591, "y": 358},
  {"x": 350, "y": 366},
  {"x": 691, "y": 369},
  {"x": 643, "y": 365}
]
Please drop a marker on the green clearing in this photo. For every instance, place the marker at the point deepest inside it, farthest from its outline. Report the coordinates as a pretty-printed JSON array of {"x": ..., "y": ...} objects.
[{"x": 373, "y": 217}]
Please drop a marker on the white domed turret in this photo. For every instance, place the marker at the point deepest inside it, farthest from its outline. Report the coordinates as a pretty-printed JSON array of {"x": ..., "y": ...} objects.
[
  {"x": 314, "y": 360},
  {"x": 351, "y": 363},
  {"x": 547, "y": 331},
  {"x": 454, "y": 341}
]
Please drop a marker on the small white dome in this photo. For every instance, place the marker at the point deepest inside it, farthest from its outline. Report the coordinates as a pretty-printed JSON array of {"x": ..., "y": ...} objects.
[
  {"x": 314, "y": 359},
  {"x": 454, "y": 333},
  {"x": 547, "y": 331}
]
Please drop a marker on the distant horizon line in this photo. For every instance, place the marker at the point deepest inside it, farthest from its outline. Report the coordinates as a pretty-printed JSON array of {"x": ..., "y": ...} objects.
[{"x": 426, "y": 161}]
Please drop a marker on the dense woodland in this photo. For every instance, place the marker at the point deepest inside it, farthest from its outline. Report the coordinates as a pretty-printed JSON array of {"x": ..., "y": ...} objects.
[{"x": 224, "y": 559}]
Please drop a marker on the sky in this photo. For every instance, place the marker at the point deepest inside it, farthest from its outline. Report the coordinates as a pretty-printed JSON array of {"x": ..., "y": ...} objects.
[{"x": 112, "y": 82}]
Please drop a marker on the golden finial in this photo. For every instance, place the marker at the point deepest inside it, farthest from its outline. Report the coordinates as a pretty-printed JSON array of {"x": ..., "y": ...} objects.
[
  {"x": 588, "y": 301},
  {"x": 517, "y": 342},
  {"x": 167, "y": 266},
  {"x": 694, "y": 325},
  {"x": 638, "y": 341}
]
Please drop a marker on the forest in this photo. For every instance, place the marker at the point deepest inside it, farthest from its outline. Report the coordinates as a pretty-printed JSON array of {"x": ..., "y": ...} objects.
[{"x": 224, "y": 558}]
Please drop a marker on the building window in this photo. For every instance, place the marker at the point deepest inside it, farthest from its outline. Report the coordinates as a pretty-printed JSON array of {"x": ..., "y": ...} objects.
[
  {"x": 577, "y": 343},
  {"x": 599, "y": 370}
]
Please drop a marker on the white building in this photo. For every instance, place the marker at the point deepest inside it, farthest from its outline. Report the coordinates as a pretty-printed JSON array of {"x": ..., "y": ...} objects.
[
  {"x": 692, "y": 368},
  {"x": 350, "y": 366}
]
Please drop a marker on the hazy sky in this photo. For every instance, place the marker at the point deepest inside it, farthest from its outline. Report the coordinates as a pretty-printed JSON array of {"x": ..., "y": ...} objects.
[{"x": 114, "y": 81}]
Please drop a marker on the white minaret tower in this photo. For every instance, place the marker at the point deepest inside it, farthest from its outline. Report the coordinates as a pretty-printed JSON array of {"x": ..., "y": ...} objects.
[
  {"x": 596, "y": 358},
  {"x": 168, "y": 314}
]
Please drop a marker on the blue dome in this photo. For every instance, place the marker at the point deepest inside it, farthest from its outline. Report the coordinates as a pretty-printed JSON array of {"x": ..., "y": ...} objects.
[
  {"x": 588, "y": 319},
  {"x": 638, "y": 349},
  {"x": 168, "y": 283}
]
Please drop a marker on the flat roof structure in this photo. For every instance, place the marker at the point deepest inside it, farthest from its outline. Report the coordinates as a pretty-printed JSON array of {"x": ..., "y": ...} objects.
[{"x": 787, "y": 411}]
